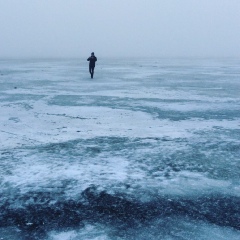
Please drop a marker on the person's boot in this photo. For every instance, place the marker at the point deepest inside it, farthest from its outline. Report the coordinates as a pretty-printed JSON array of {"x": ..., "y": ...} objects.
[{"x": 91, "y": 75}]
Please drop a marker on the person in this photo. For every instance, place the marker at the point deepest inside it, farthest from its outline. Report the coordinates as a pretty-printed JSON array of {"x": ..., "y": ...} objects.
[{"x": 92, "y": 61}]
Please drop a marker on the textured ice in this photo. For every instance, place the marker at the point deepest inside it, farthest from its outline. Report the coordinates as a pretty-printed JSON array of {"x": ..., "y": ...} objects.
[{"x": 141, "y": 130}]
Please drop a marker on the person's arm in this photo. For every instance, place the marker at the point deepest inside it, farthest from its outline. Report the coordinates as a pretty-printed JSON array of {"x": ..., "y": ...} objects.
[
  {"x": 95, "y": 59},
  {"x": 88, "y": 59}
]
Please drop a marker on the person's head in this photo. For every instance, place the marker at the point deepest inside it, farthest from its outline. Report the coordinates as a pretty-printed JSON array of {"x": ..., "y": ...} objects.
[{"x": 92, "y": 54}]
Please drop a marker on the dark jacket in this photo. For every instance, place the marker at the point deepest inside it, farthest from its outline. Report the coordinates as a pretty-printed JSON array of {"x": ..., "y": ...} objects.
[{"x": 92, "y": 61}]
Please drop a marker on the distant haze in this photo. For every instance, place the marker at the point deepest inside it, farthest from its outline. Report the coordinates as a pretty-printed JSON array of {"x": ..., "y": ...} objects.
[{"x": 120, "y": 28}]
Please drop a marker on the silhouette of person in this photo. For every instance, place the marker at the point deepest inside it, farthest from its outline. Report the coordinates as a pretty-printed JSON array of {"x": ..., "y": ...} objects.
[{"x": 92, "y": 61}]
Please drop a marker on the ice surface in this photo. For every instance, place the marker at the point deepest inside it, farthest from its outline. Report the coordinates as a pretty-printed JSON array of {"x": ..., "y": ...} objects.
[{"x": 141, "y": 130}]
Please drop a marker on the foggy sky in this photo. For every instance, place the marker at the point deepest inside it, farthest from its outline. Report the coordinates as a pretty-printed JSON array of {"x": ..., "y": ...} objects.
[{"x": 118, "y": 28}]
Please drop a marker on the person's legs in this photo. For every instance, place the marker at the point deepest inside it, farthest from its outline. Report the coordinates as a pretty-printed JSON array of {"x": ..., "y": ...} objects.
[{"x": 91, "y": 70}]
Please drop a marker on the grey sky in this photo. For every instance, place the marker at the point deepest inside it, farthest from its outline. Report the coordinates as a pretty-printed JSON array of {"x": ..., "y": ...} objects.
[{"x": 162, "y": 28}]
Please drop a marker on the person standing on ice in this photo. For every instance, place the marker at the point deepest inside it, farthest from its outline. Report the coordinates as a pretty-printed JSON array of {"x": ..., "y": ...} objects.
[{"x": 92, "y": 61}]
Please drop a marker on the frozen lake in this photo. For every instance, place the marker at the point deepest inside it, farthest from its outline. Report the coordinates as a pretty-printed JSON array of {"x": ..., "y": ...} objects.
[{"x": 148, "y": 149}]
